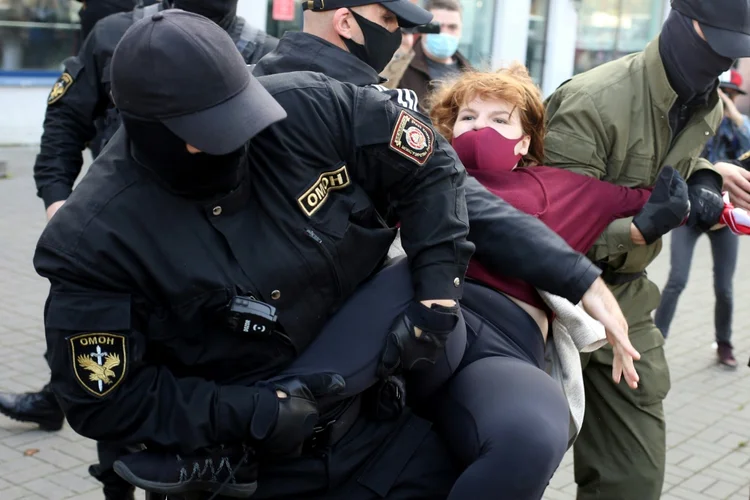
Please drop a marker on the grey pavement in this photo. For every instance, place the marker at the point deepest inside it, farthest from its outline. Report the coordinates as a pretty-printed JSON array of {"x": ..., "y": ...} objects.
[{"x": 708, "y": 409}]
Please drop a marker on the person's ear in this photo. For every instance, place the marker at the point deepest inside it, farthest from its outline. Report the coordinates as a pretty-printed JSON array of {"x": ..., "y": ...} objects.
[
  {"x": 344, "y": 23},
  {"x": 522, "y": 148}
]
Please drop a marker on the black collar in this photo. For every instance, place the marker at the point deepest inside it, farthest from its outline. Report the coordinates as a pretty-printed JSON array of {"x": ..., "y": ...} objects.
[{"x": 299, "y": 51}]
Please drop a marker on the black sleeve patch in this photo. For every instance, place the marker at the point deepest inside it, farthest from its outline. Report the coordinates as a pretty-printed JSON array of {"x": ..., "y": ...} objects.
[
  {"x": 60, "y": 87},
  {"x": 100, "y": 361},
  {"x": 412, "y": 139}
]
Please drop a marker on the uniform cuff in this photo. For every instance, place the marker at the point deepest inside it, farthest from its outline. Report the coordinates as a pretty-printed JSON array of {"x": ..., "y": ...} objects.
[
  {"x": 618, "y": 237},
  {"x": 236, "y": 407},
  {"x": 439, "y": 282},
  {"x": 55, "y": 192},
  {"x": 581, "y": 285}
]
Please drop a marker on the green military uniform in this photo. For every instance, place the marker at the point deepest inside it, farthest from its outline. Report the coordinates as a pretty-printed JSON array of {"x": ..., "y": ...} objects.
[{"x": 612, "y": 123}]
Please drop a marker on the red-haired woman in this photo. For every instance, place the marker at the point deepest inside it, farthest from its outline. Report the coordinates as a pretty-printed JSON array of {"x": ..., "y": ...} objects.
[{"x": 501, "y": 414}]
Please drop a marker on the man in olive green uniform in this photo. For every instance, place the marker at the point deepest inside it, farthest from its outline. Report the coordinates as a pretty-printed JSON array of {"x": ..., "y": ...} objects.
[{"x": 622, "y": 122}]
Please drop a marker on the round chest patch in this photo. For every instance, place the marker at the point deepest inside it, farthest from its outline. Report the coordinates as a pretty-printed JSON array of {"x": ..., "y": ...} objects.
[
  {"x": 415, "y": 138},
  {"x": 412, "y": 139}
]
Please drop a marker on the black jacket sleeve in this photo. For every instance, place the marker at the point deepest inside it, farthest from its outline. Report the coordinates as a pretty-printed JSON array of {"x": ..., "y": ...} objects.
[
  {"x": 400, "y": 156},
  {"x": 512, "y": 243},
  {"x": 76, "y": 99},
  {"x": 135, "y": 401}
]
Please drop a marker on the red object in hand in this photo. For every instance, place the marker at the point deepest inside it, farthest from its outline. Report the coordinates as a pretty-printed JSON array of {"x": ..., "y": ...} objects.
[{"x": 736, "y": 219}]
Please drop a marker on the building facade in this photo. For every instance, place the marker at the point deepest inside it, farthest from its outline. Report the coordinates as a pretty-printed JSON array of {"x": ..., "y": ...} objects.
[{"x": 554, "y": 38}]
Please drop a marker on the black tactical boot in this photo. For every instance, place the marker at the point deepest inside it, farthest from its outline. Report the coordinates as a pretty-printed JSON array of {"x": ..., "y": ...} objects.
[
  {"x": 229, "y": 472},
  {"x": 38, "y": 407},
  {"x": 115, "y": 488}
]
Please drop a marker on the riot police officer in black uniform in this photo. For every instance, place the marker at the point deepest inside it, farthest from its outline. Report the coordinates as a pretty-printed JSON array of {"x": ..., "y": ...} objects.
[
  {"x": 179, "y": 222},
  {"x": 80, "y": 114},
  {"x": 79, "y": 111}
]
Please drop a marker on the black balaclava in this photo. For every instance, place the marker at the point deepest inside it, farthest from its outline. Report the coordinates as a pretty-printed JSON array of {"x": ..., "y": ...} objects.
[
  {"x": 222, "y": 12},
  {"x": 198, "y": 175},
  {"x": 692, "y": 66},
  {"x": 380, "y": 44}
]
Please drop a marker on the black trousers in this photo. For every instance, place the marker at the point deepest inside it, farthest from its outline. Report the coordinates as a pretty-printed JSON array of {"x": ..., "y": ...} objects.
[
  {"x": 503, "y": 417},
  {"x": 400, "y": 459}
]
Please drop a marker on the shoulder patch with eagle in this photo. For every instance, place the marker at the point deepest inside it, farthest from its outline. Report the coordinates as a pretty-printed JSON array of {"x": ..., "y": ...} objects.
[
  {"x": 60, "y": 87},
  {"x": 99, "y": 361}
]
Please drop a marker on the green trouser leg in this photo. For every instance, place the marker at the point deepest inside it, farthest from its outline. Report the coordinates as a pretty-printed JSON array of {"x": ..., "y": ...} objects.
[{"x": 620, "y": 453}]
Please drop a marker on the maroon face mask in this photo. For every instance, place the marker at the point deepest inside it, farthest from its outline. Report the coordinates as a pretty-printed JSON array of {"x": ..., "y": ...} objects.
[{"x": 486, "y": 149}]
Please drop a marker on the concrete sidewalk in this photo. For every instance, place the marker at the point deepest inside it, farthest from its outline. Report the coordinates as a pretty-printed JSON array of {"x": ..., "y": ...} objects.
[{"x": 708, "y": 409}]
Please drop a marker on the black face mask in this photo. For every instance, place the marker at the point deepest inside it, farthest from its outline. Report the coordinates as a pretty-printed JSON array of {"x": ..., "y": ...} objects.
[
  {"x": 198, "y": 175},
  {"x": 380, "y": 44},
  {"x": 222, "y": 12},
  {"x": 692, "y": 66}
]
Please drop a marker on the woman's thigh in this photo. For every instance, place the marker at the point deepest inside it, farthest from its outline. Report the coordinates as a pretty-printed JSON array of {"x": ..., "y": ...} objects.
[
  {"x": 502, "y": 403},
  {"x": 352, "y": 341}
]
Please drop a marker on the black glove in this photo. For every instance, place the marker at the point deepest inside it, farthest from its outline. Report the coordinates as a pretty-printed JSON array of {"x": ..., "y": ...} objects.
[
  {"x": 666, "y": 208},
  {"x": 386, "y": 399},
  {"x": 743, "y": 161},
  {"x": 706, "y": 203},
  {"x": 282, "y": 425},
  {"x": 403, "y": 349}
]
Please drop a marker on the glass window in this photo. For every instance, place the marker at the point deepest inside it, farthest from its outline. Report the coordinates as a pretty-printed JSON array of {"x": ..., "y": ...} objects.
[
  {"x": 476, "y": 41},
  {"x": 37, "y": 35},
  {"x": 537, "y": 43},
  {"x": 609, "y": 29},
  {"x": 278, "y": 28}
]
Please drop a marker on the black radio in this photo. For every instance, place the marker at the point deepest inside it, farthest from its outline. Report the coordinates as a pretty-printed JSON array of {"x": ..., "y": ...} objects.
[{"x": 249, "y": 316}]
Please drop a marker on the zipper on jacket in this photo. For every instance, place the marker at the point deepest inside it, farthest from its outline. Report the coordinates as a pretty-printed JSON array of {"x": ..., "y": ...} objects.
[
  {"x": 311, "y": 234},
  {"x": 680, "y": 114}
]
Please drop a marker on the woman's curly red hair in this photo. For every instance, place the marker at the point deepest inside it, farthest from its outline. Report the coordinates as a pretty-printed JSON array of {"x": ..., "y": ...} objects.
[{"x": 512, "y": 84}]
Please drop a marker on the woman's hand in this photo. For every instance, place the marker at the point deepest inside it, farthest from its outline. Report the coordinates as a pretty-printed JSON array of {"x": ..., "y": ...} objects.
[{"x": 601, "y": 305}]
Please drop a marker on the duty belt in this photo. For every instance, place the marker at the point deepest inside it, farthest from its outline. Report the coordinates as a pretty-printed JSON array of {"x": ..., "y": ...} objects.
[
  {"x": 331, "y": 430},
  {"x": 612, "y": 277}
]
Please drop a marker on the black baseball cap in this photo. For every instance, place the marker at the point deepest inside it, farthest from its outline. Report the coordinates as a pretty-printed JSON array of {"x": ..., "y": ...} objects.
[
  {"x": 183, "y": 70},
  {"x": 725, "y": 23},
  {"x": 409, "y": 15}
]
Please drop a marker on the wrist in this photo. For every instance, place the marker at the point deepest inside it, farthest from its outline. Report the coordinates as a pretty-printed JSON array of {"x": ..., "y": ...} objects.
[
  {"x": 636, "y": 236},
  {"x": 442, "y": 318},
  {"x": 265, "y": 410},
  {"x": 441, "y": 302}
]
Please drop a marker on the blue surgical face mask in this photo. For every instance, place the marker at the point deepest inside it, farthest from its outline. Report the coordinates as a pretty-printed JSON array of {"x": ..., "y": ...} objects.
[{"x": 441, "y": 45}]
